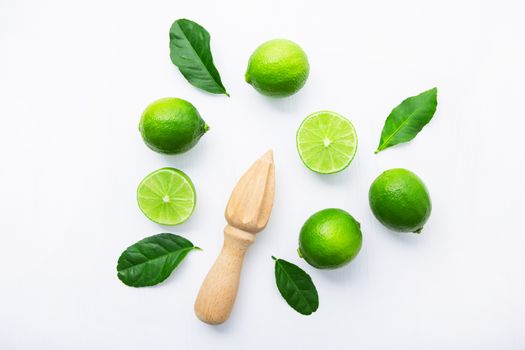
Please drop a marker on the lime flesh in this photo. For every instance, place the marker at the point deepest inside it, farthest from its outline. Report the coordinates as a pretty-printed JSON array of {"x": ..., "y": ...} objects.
[
  {"x": 166, "y": 196},
  {"x": 326, "y": 142}
]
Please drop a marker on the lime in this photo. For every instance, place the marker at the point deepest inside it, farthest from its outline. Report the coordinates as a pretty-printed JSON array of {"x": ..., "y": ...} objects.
[
  {"x": 330, "y": 239},
  {"x": 171, "y": 125},
  {"x": 400, "y": 200},
  {"x": 166, "y": 196},
  {"x": 278, "y": 68},
  {"x": 327, "y": 142}
]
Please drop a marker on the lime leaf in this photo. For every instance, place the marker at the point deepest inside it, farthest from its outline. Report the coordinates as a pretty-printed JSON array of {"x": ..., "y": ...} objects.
[
  {"x": 296, "y": 287},
  {"x": 190, "y": 52},
  {"x": 406, "y": 120},
  {"x": 152, "y": 260}
]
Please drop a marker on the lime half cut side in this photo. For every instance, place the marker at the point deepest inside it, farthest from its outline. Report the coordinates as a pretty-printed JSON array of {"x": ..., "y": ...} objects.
[
  {"x": 167, "y": 196},
  {"x": 326, "y": 142}
]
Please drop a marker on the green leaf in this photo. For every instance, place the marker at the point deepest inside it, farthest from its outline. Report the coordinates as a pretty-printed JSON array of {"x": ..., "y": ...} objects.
[
  {"x": 190, "y": 52},
  {"x": 406, "y": 120},
  {"x": 151, "y": 260},
  {"x": 296, "y": 287}
]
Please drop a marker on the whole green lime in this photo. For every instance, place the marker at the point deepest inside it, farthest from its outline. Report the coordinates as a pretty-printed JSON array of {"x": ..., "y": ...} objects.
[
  {"x": 171, "y": 125},
  {"x": 278, "y": 68},
  {"x": 400, "y": 200},
  {"x": 330, "y": 239}
]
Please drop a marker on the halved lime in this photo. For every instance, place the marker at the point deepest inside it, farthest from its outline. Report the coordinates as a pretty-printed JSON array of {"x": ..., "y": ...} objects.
[
  {"x": 327, "y": 142},
  {"x": 167, "y": 196}
]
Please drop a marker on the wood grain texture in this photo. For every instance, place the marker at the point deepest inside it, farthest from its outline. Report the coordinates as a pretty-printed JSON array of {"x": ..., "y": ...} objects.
[{"x": 247, "y": 213}]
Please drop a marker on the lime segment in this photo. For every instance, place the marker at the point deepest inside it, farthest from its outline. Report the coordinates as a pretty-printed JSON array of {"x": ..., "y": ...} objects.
[
  {"x": 327, "y": 142},
  {"x": 166, "y": 196}
]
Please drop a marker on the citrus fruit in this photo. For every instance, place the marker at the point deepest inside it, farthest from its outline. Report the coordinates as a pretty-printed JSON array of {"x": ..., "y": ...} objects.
[
  {"x": 400, "y": 200},
  {"x": 171, "y": 125},
  {"x": 330, "y": 239},
  {"x": 278, "y": 68},
  {"x": 166, "y": 196},
  {"x": 327, "y": 142}
]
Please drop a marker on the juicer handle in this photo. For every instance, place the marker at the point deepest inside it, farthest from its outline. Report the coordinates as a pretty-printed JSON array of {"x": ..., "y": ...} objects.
[{"x": 218, "y": 291}]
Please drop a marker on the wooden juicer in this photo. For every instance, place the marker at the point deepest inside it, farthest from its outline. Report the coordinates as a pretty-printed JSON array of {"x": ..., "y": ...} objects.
[{"x": 247, "y": 213}]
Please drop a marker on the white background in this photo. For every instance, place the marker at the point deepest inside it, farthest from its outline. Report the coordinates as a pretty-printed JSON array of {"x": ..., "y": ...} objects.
[{"x": 74, "y": 79}]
